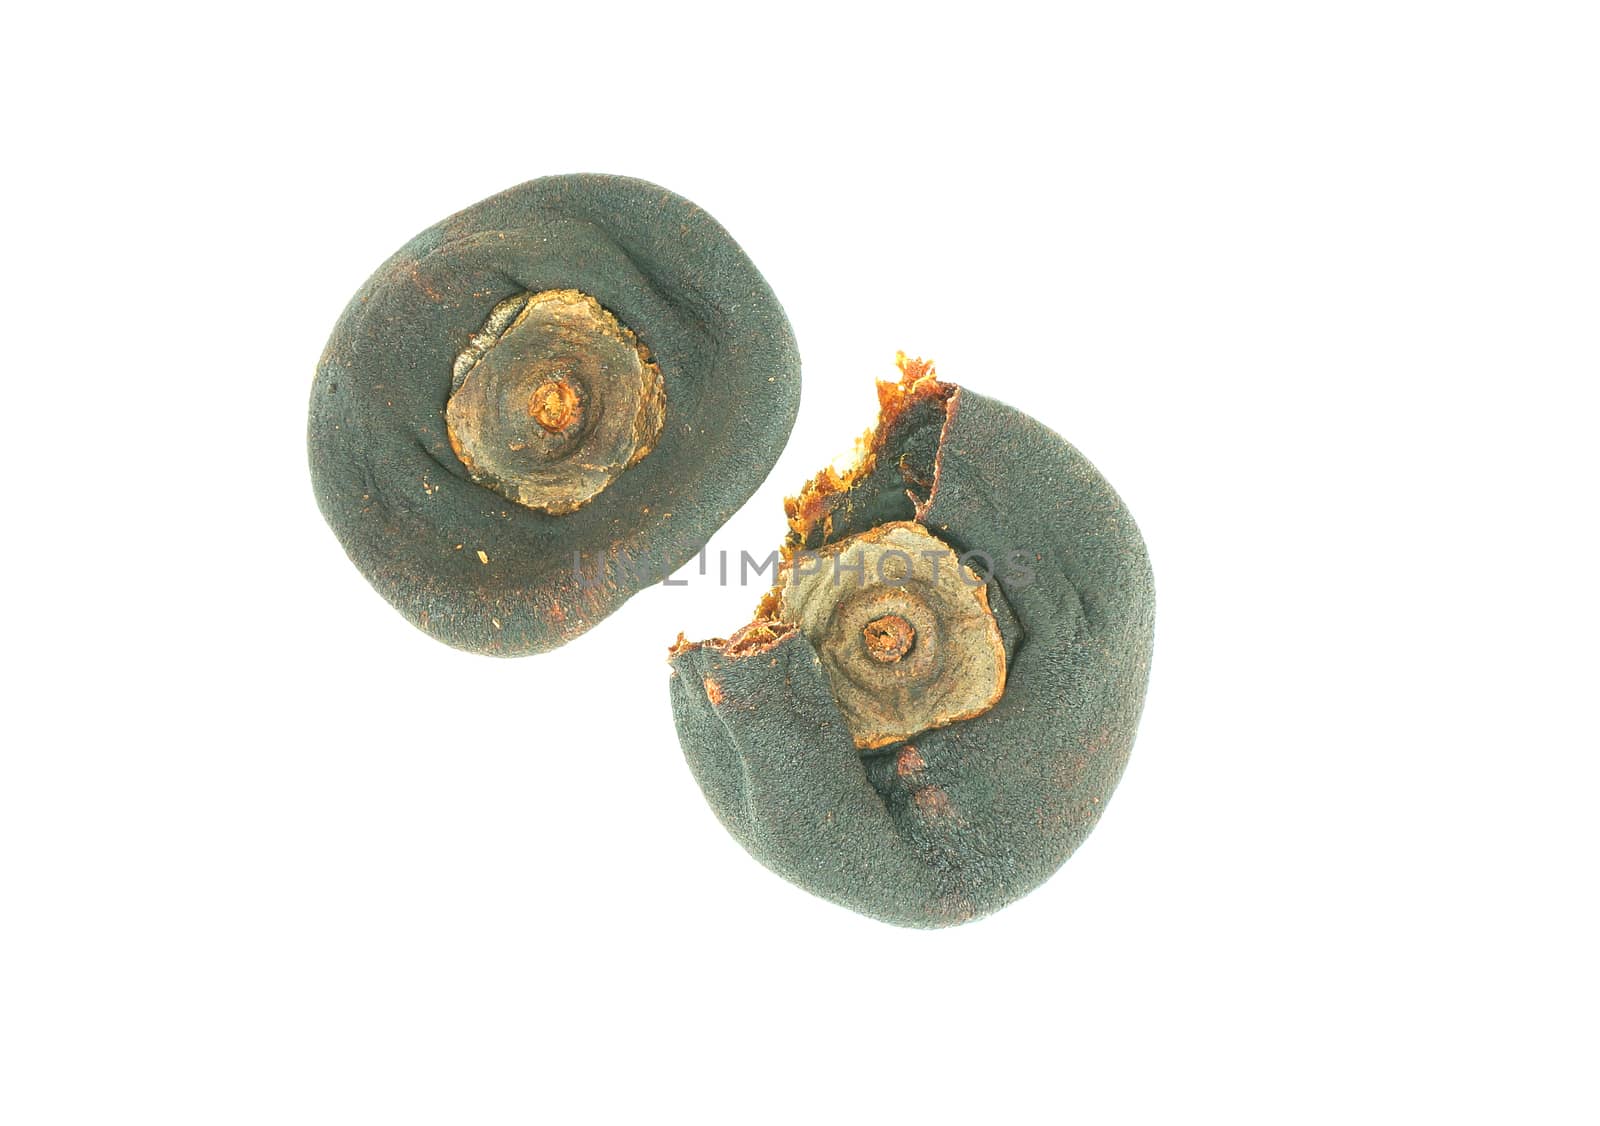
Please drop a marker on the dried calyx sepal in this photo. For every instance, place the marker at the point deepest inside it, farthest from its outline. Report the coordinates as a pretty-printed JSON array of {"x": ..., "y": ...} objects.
[
  {"x": 902, "y": 627},
  {"x": 552, "y": 399},
  {"x": 905, "y": 630}
]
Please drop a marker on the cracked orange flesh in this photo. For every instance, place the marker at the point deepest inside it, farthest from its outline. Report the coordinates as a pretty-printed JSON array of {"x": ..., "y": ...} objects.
[{"x": 812, "y": 507}]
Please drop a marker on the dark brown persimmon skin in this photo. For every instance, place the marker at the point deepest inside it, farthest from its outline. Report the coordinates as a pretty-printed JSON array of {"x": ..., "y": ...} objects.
[
  {"x": 955, "y": 822},
  {"x": 463, "y": 562}
]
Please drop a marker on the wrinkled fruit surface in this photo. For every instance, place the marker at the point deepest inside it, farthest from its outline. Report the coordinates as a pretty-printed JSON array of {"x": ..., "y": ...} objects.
[
  {"x": 544, "y": 403},
  {"x": 927, "y": 752}
]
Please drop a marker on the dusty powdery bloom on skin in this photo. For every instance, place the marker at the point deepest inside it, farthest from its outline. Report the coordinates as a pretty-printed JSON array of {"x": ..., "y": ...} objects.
[
  {"x": 580, "y": 366},
  {"x": 926, "y": 794}
]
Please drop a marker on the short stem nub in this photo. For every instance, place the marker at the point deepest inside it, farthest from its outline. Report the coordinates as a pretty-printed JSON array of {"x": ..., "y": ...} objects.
[
  {"x": 554, "y": 405},
  {"x": 888, "y": 638}
]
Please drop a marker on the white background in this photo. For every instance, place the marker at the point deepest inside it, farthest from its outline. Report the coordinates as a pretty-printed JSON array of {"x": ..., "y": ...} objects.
[{"x": 1315, "y": 286}]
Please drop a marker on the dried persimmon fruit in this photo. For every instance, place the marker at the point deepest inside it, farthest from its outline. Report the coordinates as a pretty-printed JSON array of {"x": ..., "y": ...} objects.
[
  {"x": 542, "y": 404},
  {"x": 934, "y": 702}
]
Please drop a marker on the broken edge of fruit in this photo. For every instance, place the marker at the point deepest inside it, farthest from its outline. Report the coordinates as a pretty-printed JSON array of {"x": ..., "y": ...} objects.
[
  {"x": 812, "y": 510},
  {"x": 761, "y": 635},
  {"x": 902, "y": 401}
]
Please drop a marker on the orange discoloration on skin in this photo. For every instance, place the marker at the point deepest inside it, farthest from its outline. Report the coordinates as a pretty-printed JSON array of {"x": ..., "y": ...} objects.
[
  {"x": 713, "y": 691},
  {"x": 909, "y": 761},
  {"x": 932, "y": 800},
  {"x": 416, "y": 277}
]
